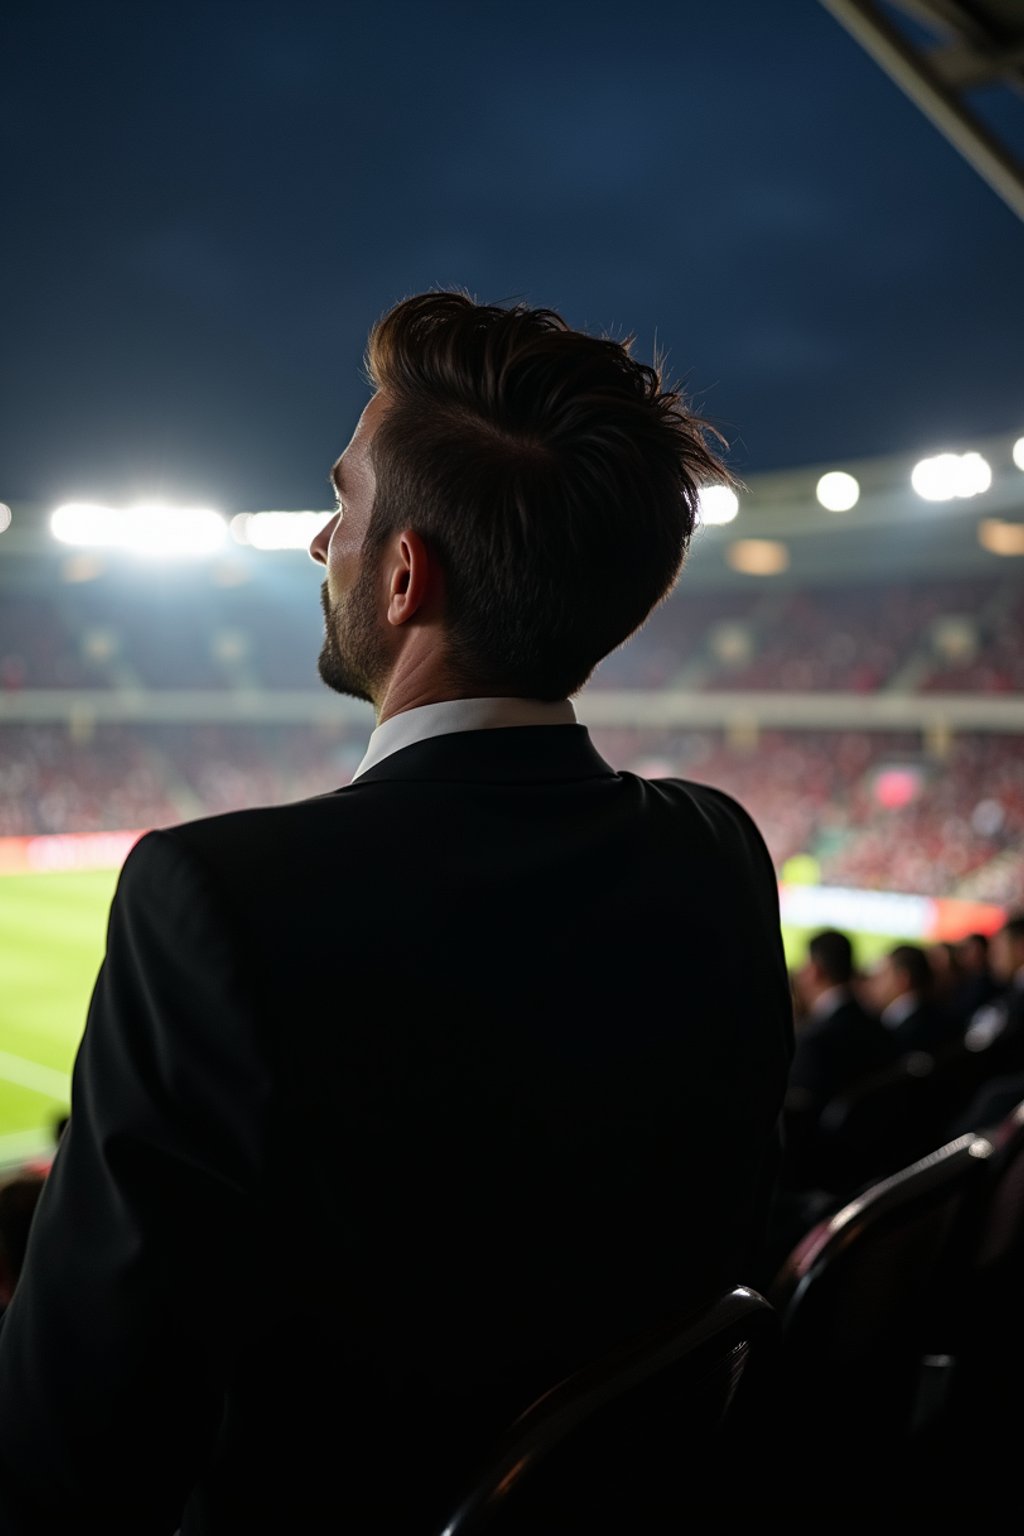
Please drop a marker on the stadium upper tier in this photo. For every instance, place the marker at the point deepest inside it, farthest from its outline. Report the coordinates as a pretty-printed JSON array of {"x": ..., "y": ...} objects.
[
  {"x": 934, "y": 635},
  {"x": 908, "y": 589},
  {"x": 865, "y": 700}
]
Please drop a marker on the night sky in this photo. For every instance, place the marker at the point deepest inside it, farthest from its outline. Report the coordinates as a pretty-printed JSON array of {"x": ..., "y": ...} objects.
[{"x": 205, "y": 206}]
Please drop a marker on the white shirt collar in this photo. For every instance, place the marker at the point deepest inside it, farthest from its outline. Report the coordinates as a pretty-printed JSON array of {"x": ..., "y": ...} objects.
[
  {"x": 460, "y": 715},
  {"x": 826, "y": 1003},
  {"x": 899, "y": 1009}
]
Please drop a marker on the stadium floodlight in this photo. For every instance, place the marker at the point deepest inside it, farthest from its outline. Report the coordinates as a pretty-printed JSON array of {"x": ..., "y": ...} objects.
[
  {"x": 717, "y": 504},
  {"x": 278, "y": 530},
  {"x": 147, "y": 529},
  {"x": 1018, "y": 453},
  {"x": 837, "y": 491},
  {"x": 950, "y": 475},
  {"x": 5, "y": 517}
]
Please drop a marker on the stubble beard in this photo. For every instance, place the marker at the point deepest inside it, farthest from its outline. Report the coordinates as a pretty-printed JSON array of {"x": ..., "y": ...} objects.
[{"x": 353, "y": 659}]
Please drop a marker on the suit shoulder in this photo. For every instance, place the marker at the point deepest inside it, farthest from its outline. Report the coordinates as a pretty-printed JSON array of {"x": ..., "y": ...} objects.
[
  {"x": 259, "y": 822},
  {"x": 257, "y": 837},
  {"x": 716, "y": 806}
]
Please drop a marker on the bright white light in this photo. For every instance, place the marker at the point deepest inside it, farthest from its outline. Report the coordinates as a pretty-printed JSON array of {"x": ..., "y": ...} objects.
[
  {"x": 837, "y": 491},
  {"x": 888, "y": 912},
  {"x": 950, "y": 475},
  {"x": 278, "y": 530},
  {"x": 717, "y": 504},
  {"x": 146, "y": 530},
  {"x": 5, "y": 517},
  {"x": 975, "y": 475},
  {"x": 1018, "y": 453}
]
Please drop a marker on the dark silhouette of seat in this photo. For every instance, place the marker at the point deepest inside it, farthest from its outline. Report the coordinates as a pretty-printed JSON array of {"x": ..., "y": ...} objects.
[
  {"x": 891, "y": 1118},
  {"x": 868, "y": 1308},
  {"x": 970, "y": 1418},
  {"x": 640, "y": 1439}
]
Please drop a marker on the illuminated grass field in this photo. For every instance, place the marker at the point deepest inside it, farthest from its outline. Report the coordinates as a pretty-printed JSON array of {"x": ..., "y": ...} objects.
[{"x": 52, "y": 934}]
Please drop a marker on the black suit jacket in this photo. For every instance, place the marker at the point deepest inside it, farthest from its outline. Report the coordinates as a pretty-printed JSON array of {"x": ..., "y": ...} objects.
[
  {"x": 392, "y": 1105},
  {"x": 928, "y": 1028},
  {"x": 831, "y": 1055},
  {"x": 834, "y": 1052}
]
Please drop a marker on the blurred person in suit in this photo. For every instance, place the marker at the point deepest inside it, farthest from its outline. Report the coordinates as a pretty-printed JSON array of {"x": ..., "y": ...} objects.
[
  {"x": 997, "y": 1026},
  {"x": 901, "y": 987},
  {"x": 948, "y": 974},
  {"x": 996, "y": 1032},
  {"x": 978, "y": 984},
  {"x": 412, "y": 1023},
  {"x": 838, "y": 1040},
  {"x": 838, "y": 1044}
]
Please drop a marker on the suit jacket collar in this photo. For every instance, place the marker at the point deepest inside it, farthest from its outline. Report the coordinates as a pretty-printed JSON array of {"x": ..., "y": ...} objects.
[{"x": 514, "y": 753}]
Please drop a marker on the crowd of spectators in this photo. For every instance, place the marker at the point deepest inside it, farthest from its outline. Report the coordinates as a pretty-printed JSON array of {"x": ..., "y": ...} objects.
[
  {"x": 989, "y": 658},
  {"x": 199, "y": 635},
  {"x": 52, "y": 782},
  {"x": 933, "y": 636},
  {"x": 131, "y": 777},
  {"x": 894, "y": 1058},
  {"x": 956, "y": 635},
  {"x": 37, "y": 650},
  {"x": 874, "y": 810}
]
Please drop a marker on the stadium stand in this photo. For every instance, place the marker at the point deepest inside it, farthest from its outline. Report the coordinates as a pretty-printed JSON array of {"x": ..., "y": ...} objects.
[
  {"x": 872, "y": 723},
  {"x": 823, "y": 638},
  {"x": 866, "y": 703},
  {"x": 958, "y": 832},
  {"x": 917, "y": 637}
]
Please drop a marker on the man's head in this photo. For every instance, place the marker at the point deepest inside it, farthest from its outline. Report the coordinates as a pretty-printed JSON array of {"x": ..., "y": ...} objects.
[
  {"x": 973, "y": 950},
  {"x": 829, "y": 964},
  {"x": 524, "y": 491},
  {"x": 905, "y": 969},
  {"x": 1008, "y": 948}
]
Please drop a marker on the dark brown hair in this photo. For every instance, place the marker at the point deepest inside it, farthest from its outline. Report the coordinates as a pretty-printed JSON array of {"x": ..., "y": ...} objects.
[
  {"x": 832, "y": 951},
  {"x": 552, "y": 475},
  {"x": 912, "y": 960}
]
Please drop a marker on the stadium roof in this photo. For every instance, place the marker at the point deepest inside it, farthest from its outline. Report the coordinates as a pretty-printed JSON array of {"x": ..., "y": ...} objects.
[{"x": 946, "y": 55}]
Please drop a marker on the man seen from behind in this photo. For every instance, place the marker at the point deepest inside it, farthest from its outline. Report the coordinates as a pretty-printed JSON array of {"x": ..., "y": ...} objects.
[{"x": 411, "y": 1035}]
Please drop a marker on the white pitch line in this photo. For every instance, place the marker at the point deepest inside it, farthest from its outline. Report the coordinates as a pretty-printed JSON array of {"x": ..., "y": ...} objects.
[
  {"x": 29, "y": 1074},
  {"x": 18, "y": 1147}
]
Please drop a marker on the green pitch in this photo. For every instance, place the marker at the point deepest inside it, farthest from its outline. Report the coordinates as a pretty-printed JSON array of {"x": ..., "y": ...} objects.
[{"x": 52, "y": 934}]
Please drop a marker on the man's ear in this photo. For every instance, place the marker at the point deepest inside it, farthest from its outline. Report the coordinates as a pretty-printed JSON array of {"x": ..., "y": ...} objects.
[{"x": 414, "y": 578}]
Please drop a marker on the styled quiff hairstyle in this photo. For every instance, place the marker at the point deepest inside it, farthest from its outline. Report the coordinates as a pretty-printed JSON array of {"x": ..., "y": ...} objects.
[{"x": 553, "y": 477}]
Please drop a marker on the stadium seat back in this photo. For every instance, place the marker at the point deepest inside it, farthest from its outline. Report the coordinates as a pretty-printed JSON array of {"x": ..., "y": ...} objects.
[
  {"x": 639, "y": 1440},
  {"x": 892, "y": 1118},
  {"x": 868, "y": 1303},
  {"x": 976, "y": 1404}
]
